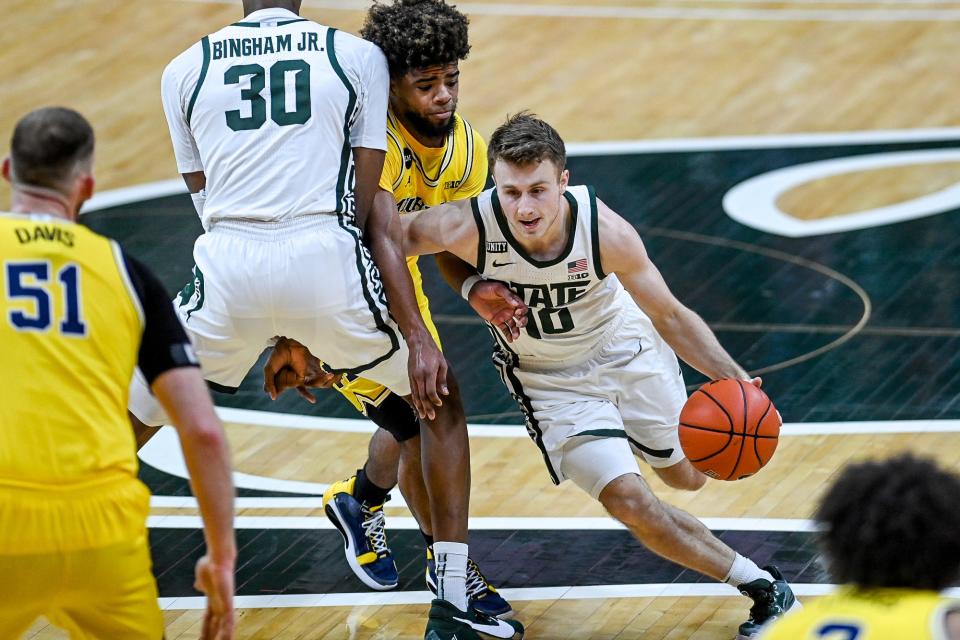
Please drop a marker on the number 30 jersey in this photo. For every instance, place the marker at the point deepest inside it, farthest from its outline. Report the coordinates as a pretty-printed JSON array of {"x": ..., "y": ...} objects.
[
  {"x": 574, "y": 306},
  {"x": 269, "y": 108}
]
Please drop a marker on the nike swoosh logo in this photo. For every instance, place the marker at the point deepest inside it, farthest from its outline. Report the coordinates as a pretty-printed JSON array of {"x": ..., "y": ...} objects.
[
  {"x": 501, "y": 264},
  {"x": 499, "y": 630}
]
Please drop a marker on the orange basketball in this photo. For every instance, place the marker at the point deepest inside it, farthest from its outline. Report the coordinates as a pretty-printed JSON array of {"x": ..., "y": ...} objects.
[{"x": 729, "y": 429}]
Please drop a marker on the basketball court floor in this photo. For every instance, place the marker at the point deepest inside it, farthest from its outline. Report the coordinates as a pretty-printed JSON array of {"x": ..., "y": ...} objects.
[{"x": 791, "y": 167}]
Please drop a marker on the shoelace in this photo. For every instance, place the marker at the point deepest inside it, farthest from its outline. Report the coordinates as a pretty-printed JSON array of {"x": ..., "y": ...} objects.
[
  {"x": 374, "y": 529},
  {"x": 476, "y": 583}
]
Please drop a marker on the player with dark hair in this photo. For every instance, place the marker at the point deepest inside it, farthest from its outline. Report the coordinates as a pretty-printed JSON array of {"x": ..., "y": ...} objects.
[
  {"x": 433, "y": 156},
  {"x": 78, "y": 314},
  {"x": 278, "y": 125},
  {"x": 594, "y": 372},
  {"x": 891, "y": 535}
]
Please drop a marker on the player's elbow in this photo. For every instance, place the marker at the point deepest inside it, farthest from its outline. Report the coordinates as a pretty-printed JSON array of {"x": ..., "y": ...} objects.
[
  {"x": 203, "y": 435},
  {"x": 670, "y": 320}
]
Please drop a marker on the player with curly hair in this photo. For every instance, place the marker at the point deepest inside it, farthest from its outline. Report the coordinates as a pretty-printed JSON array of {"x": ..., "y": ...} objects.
[
  {"x": 891, "y": 534},
  {"x": 433, "y": 156}
]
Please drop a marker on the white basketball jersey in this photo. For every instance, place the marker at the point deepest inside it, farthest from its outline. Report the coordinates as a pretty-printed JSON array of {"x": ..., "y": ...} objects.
[
  {"x": 269, "y": 108},
  {"x": 574, "y": 305}
]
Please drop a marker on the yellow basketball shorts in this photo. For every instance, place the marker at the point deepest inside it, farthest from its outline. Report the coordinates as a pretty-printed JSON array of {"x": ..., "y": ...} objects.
[
  {"x": 107, "y": 592},
  {"x": 363, "y": 393}
]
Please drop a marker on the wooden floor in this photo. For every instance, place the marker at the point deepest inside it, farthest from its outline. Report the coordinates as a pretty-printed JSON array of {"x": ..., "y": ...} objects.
[{"x": 669, "y": 69}]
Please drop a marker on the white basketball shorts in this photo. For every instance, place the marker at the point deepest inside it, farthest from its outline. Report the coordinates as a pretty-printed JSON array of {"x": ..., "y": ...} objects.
[
  {"x": 308, "y": 278},
  {"x": 591, "y": 420}
]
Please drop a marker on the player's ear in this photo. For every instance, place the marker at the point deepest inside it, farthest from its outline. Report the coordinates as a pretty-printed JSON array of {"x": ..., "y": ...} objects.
[
  {"x": 87, "y": 185},
  {"x": 6, "y": 168},
  {"x": 564, "y": 180}
]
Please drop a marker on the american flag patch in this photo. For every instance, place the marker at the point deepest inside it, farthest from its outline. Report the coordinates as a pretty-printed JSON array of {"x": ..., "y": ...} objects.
[{"x": 577, "y": 266}]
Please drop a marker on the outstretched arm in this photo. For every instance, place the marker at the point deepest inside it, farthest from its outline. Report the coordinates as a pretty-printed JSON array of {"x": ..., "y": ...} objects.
[
  {"x": 622, "y": 252},
  {"x": 491, "y": 299},
  {"x": 447, "y": 227}
]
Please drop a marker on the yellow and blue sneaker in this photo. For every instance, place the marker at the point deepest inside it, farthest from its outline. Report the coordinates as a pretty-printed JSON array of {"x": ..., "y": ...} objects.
[
  {"x": 446, "y": 622},
  {"x": 482, "y": 595},
  {"x": 364, "y": 536}
]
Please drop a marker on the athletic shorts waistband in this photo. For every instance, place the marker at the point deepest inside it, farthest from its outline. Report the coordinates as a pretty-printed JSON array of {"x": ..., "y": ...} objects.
[{"x": 274, "y": 229}]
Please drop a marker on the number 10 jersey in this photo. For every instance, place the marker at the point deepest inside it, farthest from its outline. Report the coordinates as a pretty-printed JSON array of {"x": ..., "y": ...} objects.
[{"x": 574, "y": 306}]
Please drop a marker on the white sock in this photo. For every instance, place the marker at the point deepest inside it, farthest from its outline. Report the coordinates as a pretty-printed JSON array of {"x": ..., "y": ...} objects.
[
  {"x": 451, "y": 560},
  {"x": 744, "y": 570}
]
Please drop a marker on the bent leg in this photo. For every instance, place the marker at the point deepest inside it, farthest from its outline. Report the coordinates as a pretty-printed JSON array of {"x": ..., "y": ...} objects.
[{"x": 667, "y": 531}]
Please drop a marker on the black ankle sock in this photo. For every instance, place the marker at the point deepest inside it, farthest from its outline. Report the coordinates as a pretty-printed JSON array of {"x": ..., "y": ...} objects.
[
  {"x": 365, "y": 491},
  {"x": 428, "y": 538}
]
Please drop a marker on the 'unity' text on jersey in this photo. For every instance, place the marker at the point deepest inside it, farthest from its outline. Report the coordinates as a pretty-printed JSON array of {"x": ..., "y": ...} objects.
[{"x": 573, "y": 304}]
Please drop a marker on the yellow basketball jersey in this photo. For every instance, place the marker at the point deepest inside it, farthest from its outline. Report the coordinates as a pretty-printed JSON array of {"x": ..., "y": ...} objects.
[
  {"x": 421, "y": 177},
  {"x": 70, "y": 326},
  {"x": 878, "y": 614}
]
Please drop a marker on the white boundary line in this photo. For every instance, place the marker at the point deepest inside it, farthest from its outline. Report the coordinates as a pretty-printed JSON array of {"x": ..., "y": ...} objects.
[
  {"x": 663, "y": 13},
  {"x": 357, "y": 425},
  {"x": 697, "y": 590},
  {"x": 477, "y": 524}
]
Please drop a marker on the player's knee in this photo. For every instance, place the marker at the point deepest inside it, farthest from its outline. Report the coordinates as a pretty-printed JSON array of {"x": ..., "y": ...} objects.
[
  {"x": 397, "y": 417},
  {"x": 627, "y": 500}
]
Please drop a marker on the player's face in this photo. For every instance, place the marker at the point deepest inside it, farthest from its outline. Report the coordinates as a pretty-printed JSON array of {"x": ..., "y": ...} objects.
[
  {"x": 531, "y": 197},
  {"x": 425, "y": 99}
]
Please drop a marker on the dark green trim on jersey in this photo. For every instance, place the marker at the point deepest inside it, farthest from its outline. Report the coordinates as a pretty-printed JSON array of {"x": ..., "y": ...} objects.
[
  {"x": 344, "y": 210},
  {"x": 351, "y": 103},
  {"x": 205, "y": 43},
  {"x": 533, "y": 426},
  {"x": 505, "y": 230},
  {"x": 620, "y": 433},
  {"x": 260, "y": 24},
  {"x": 595, "y": 234},
  {"x": 481, "y": 235}
]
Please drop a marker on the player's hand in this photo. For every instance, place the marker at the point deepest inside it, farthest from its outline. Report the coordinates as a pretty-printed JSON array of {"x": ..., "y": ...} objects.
[
  {"x": 497, "y": 304},
  {"x": 292, "y": 366},
  {"x": 216, "y": 582},
  {"x": 757, "y": 382},
  {"x": 428, "y": 374}
]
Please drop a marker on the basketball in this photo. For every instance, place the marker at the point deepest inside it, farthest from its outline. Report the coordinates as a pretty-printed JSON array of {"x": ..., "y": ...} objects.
[{"x": 729, "y": 429}]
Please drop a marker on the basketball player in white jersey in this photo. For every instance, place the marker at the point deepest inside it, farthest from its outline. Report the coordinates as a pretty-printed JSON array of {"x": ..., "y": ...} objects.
[
  {"x": 279, "y": 129},
  {"x": 595, "y": 370}
]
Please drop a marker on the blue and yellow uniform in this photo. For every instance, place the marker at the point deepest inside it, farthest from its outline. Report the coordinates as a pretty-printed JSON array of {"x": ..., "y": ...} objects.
[
  {"x": 875, "y": 614},
  {"x": 421, "y": 177},
  {"x": 76, "y": 317}
]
